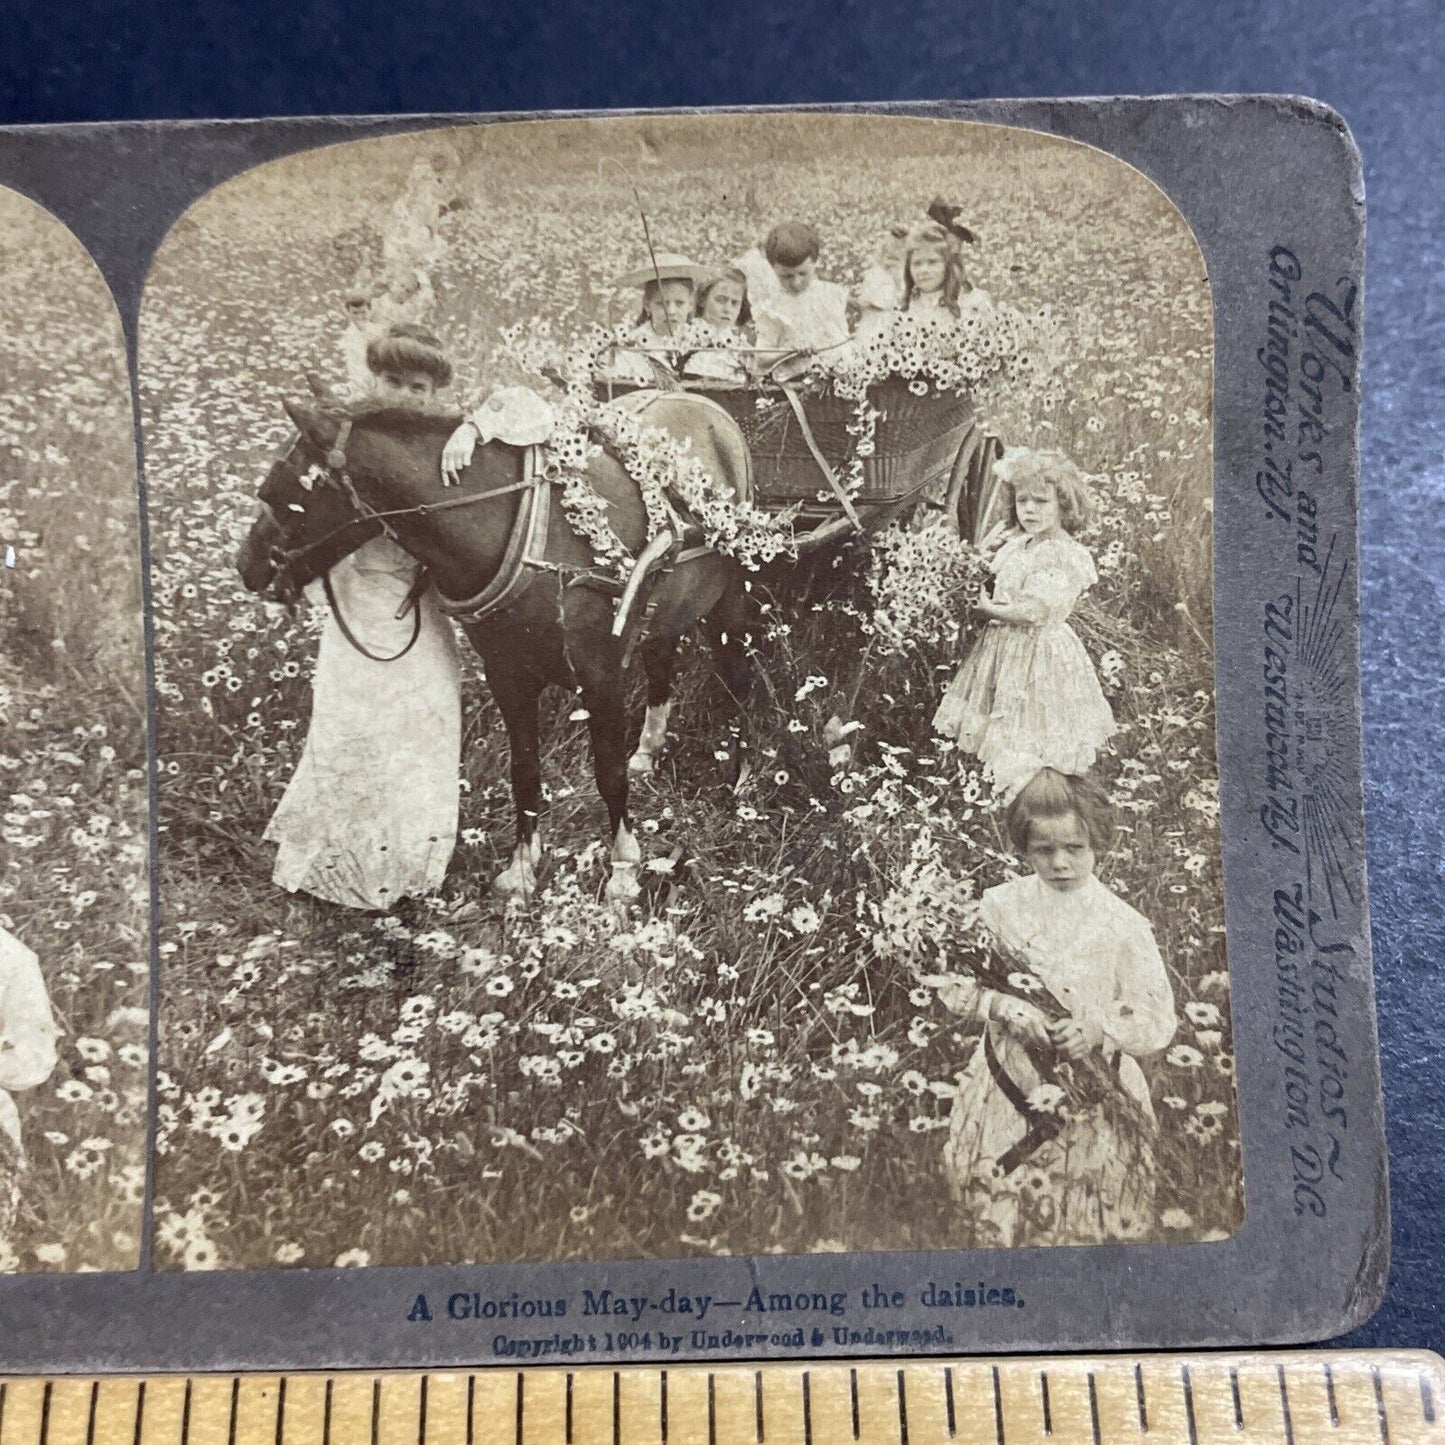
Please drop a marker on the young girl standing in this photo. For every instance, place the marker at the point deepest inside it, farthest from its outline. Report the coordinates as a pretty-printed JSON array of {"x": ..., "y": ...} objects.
[
  {"x": 1027, "y": 695},
  {"x": 1037, "y": 1168},
  {"x": 27, "y": 1056},
  {"x": 370, "y": 816}
]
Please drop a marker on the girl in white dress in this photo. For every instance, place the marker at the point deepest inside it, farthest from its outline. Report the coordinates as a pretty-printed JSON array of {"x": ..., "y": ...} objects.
[
  {"x": 27, "y": 1057},
  {"x": 663, "y": 328},
  {"x": 933, "y": 276},
  {"x": 723, "y": 315},
  {"x": 370, "y": 817},
  {"x": 1024, "y": 1158},
  {"x": 1027, "y": 695},
  {"x": 880, "y": 292},
  {"x": 928, "y": 282}
]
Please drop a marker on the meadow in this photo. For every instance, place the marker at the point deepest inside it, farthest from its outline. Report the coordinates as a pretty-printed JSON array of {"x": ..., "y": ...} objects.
[
  {"x": 74, "y": 840},
  {"x": 743, "y": 1063}
]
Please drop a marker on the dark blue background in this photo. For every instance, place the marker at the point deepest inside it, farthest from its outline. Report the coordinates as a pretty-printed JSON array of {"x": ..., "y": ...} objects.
[{"x": 1381, "y": 65}]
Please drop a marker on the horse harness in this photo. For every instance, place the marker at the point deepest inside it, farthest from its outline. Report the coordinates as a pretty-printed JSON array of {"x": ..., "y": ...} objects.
[
  {"x": 1039, "y": 1126},
  {"x": 522, "y": 560}
]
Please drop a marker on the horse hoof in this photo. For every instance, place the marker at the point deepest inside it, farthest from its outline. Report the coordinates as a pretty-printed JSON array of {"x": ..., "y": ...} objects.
[
  {"x": 623, "y": 887},
  {"x": 641, "y": 764},
  {"x": 517, "y": 881}
]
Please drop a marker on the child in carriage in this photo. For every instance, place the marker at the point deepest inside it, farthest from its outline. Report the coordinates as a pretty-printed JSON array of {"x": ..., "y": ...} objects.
[
  {"x": 662, "y": 330},
  {"x": 934, "y": 281},
  {"x": 933, "y": 276},
  {"x": 798, "y": 315},
  {"x": 880, "y": 292},
  {"x": 723, "y": 316}
]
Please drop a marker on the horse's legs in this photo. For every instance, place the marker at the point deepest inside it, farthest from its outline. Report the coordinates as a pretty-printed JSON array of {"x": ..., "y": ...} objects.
[
  {"x": 658, "y": 655},
  {"x": 517, "y": 700},
  {"x": 729, "y": 627},
  {"x": 607, "y": 724}
]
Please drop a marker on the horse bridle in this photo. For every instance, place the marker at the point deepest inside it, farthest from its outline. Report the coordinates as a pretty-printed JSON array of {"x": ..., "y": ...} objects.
[{"x": 337, "y": 474}]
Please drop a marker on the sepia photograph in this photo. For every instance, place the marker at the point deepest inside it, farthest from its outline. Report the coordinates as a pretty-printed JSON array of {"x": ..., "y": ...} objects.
[
  {"x": 684, "y": 685},
  {"x": 75, "y": 942}
]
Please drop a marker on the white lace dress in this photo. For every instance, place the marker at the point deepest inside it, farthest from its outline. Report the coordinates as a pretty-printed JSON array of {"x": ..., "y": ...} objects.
[
  {"x": 1094, "y": 1178},
  {"x": 722, "y": 362},
  {"x": 27, "y": 1057},
  {"x": 812, "y": 320},
  {"x": 370, "y": 816},
  {"x": 1027, "y": 695}
]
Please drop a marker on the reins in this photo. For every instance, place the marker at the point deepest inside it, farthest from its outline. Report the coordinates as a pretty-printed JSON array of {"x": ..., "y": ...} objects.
[
  {"x": 338, "y": 475},
  {"x": 413, "y": 597},
  {"x": 421, "y": 509}
]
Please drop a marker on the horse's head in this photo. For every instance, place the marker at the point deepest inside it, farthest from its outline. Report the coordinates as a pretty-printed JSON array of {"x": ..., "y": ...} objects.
[{"x": 307, "y": 520}]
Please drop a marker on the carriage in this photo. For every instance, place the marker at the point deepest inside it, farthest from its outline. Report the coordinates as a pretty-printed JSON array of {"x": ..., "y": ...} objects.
[{"x": 928, "y": 453}]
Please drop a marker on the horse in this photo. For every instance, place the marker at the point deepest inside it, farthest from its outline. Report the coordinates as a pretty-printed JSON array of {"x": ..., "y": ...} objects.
[{"x": 539, "y": 611}]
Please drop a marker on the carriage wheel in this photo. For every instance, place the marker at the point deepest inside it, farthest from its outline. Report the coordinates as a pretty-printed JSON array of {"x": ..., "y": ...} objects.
[
  {"x": 956, "y": 498},
  {"x": 971, "y": 486}
]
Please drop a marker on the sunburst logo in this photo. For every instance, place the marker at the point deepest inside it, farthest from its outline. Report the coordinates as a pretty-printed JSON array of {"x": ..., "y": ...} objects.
[{"x": 1326, "y": 761}]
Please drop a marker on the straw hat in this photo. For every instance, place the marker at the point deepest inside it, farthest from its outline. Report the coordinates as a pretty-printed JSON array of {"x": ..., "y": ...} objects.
[{"x": 670, "y": 266}]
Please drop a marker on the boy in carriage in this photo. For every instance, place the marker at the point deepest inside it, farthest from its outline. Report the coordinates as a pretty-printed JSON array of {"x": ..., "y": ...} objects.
[{"x": 797, "y": 313}]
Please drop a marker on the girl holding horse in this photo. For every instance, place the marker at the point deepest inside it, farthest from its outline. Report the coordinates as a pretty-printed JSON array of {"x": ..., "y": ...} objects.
[{"x": 370, "y": 817}]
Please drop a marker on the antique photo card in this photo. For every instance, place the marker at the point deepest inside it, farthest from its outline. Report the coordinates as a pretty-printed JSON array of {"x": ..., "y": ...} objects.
[
  {"x": 75, "y": 944},
  {"x": 756, "y": 732},
  {"x": 781, "y": 1039}
]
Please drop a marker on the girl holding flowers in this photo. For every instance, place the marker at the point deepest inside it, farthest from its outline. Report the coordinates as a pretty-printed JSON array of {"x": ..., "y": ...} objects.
[
  {"x": 1052, "y": 1135},
  {"x": 1027, "y": 695}
]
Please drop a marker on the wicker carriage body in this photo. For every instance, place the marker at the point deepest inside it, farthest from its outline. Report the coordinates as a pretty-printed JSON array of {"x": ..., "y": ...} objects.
[{"x": 915, "y": 439}]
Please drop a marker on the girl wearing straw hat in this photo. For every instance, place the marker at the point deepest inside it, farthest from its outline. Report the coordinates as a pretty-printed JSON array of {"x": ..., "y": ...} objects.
[{"x": 669, "y": 291}]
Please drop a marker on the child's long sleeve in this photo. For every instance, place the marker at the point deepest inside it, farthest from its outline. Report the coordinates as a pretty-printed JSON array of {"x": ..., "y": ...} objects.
[
  {"x": 1140, "y": 1018},
  {"x": 27, "y": 1027}
]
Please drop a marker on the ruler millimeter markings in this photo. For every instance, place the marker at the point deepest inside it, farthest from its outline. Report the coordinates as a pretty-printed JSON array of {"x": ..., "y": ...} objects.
[{"x": 1292, "y": 1397}]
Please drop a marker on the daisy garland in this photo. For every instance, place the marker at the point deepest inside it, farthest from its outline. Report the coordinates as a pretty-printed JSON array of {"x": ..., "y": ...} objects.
[{"x": 667, "y": 474}]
